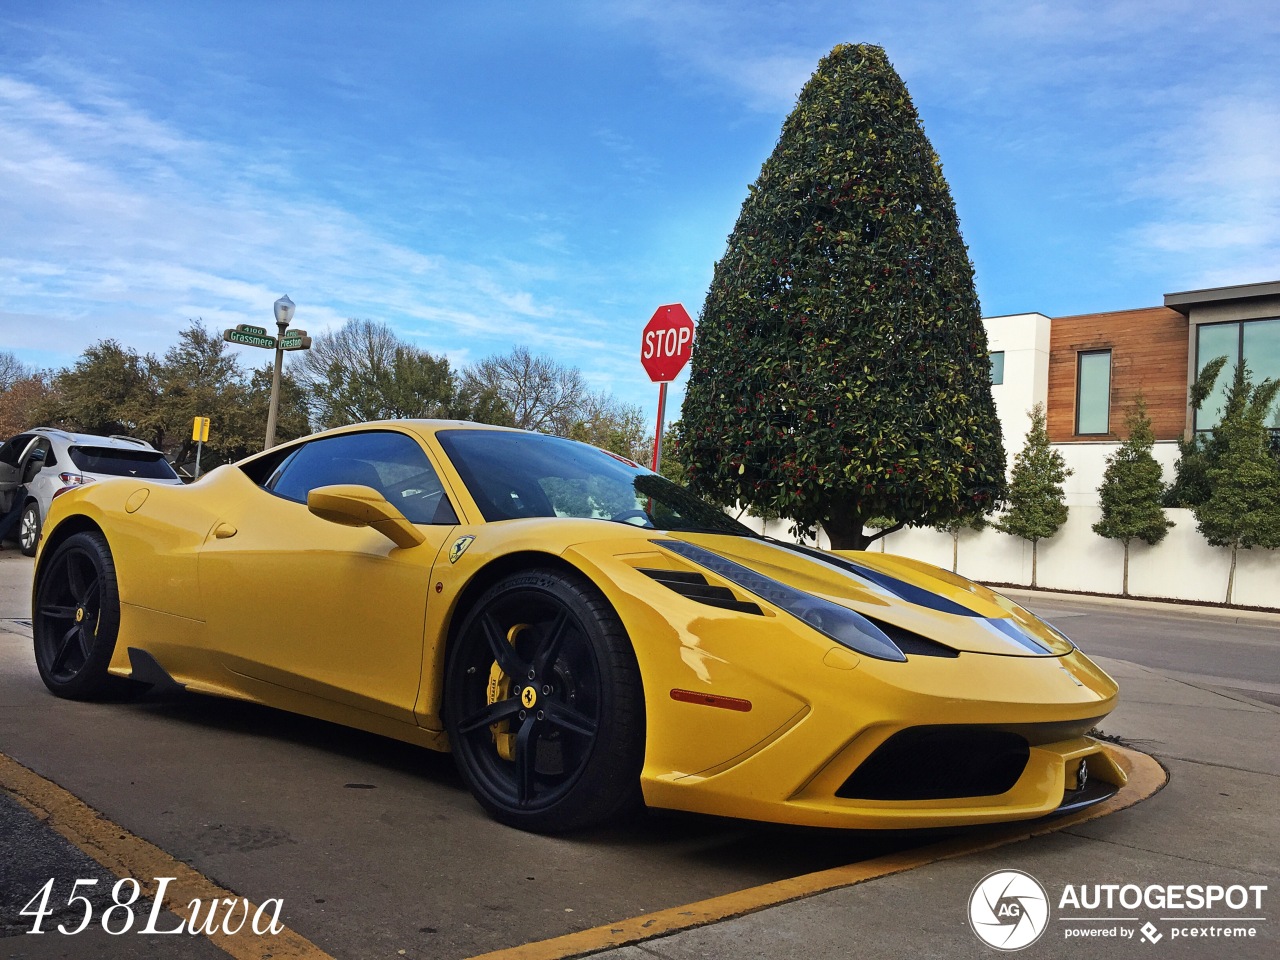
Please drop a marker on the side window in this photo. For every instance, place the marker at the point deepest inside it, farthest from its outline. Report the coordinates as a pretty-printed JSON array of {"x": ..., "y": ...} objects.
[
  {"x": 391, "y": 463},
  {"x": 1093, "y": 392},
  {"x": 36, "y": 459},
  {"x": 12, "y": 449},
  {"x": 997, "y": 367}
]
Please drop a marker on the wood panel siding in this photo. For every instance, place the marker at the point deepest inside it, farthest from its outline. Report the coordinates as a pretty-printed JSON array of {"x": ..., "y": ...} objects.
[{"x": 1148, "y": 354}]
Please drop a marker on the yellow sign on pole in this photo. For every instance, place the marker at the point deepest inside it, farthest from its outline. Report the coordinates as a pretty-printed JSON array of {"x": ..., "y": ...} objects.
[{"x": 200, "y": 430}]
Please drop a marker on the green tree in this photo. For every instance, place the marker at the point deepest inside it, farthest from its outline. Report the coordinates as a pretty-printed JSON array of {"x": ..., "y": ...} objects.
[
  {"x": 200, "y": 376},
  {"x": 1243, "y": 507},
  {"x": 606, "y": 422},
  {"x": 1037, "y": 503},
  {"x": 1132, "y": 488},
  {"x": 841, "y": 369},
  {"x": 111, "y": 389},
  {"x": 292, "y": 417},
  {"x": 671, "y": 466},
  {"x": 1190, "y": 486},
  {"x": 957, "y": 525},
  {"x": 363, "y": 371}
]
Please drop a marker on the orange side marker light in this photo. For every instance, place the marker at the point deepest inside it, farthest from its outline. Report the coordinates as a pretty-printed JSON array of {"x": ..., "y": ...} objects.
[{"x": 711, "y": 700}]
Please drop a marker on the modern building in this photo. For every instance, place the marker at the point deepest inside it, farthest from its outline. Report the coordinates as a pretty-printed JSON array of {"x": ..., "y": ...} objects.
[{"x": 1088, "y": 370}]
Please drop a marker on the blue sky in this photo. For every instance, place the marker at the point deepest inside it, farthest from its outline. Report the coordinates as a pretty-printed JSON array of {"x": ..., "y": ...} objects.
[{"x": 485, "y": 174}]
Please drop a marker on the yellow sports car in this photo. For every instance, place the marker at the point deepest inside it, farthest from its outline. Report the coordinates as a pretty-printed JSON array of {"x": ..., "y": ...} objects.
[{"x": 581, "y": 633}]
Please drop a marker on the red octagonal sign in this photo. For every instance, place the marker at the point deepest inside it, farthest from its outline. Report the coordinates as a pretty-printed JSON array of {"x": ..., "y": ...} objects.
[{"x": 667, "y": 343}]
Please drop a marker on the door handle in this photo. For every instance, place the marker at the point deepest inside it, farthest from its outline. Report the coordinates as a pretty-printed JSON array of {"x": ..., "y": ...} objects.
[{"x": 223, "y": 531}]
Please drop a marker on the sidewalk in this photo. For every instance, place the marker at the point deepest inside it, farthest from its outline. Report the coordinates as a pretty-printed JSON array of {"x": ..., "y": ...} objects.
[{"x": 1214, "y": 823}]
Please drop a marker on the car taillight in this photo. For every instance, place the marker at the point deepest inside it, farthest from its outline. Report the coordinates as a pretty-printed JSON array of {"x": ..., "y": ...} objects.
[{"x": 70, "y": 481}]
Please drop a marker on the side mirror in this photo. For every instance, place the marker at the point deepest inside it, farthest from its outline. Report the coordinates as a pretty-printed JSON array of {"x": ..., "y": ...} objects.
[{"x": 353, "y": 505}]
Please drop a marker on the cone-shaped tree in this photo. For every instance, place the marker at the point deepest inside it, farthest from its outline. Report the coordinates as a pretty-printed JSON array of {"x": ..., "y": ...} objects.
[
  {"x": 1131, "y": 491},
  {"x": 840, "y": 371},
  {"x": 1190, "y": 486},
  {"x": 1243, "y": 507},
  {"x": 1037, "y": 503}
]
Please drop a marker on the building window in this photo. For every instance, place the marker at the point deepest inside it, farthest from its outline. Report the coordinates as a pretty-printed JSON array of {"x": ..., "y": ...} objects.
[
  {"x": 1093, "y": 392},
  {"x": 1257, "y": 341},
  {"x": 997, "y": 368}
]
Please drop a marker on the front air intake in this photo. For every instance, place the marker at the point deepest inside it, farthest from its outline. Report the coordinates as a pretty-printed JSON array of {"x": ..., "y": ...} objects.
[
  {"x": 940, "y": 763},
  {"x": 694, "y": 586}
]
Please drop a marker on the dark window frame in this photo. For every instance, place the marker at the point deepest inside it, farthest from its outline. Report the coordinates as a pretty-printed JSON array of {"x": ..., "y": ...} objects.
[{"x": 1080, "y": 355}]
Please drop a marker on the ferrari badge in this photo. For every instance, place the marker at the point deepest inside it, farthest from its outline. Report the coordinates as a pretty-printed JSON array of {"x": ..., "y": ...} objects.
[{"x": 459, "y": 548}]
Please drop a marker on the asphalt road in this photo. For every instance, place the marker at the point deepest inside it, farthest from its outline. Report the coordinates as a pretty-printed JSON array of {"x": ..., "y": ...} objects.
[
  {"x": 375, "y": 846},
  {"x": 377, "y": 849},
  {"x": 1240, "y": 654}
]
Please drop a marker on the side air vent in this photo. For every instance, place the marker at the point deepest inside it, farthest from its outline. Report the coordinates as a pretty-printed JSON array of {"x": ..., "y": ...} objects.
[
  {"x": 695, "y": 587},
  {"x": 913, "y": 644}
]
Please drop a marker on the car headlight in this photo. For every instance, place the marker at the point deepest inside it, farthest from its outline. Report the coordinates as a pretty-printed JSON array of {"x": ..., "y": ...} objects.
[{"x": 845, "y": 626}]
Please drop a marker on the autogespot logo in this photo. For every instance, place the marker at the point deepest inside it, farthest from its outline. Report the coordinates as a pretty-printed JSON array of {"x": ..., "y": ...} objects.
[{"x": 1008, "y": 910}]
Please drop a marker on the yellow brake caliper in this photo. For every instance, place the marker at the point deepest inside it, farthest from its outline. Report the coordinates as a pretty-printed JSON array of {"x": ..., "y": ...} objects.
[{"x": 500, "y": 689}]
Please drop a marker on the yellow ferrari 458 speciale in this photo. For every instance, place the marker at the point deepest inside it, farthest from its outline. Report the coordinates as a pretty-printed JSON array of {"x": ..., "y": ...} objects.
[{"x": 582, "y": 634}]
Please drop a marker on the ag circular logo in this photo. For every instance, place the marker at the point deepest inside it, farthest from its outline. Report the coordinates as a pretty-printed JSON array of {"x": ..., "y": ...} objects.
[{"x": 1008, "y": 910}]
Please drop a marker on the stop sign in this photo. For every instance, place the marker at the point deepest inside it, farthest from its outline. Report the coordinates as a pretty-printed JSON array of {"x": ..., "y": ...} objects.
[{"x": 667, "y": 343}]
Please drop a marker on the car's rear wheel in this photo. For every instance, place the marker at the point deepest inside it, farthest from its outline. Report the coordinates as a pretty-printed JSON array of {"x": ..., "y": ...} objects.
[
  {"x": 76, "y": 618},
  {"x": 543, "y": 704},
  {"x": 29, "y": 530}
]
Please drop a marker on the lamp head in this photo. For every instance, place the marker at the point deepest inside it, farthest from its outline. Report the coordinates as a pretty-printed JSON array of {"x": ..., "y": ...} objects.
[{"x": 284, "y": 311}]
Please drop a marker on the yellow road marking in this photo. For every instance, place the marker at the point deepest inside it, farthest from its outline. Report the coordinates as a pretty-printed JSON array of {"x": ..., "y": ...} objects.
[
  {"x": 126, "y": 855},
  {"x": 1146, "y": 777}
]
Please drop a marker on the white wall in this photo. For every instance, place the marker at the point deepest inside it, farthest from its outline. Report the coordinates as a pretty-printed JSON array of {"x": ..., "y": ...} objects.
[
  {"x": 1024, "y": 338},
  {"x": 1088, "y": 463},
  {"x": 1181, "y": 567}
]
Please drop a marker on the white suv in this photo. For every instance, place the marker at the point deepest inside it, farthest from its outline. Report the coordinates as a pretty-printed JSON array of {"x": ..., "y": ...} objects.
[{"x": 47, "y": 462}]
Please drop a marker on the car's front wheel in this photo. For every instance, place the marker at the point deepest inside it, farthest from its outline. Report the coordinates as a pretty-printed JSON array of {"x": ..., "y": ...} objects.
[
  {"x": 29, "y": 530},
  {"x": 544, "y": 706},
  {"x": 76, "y": 617}
]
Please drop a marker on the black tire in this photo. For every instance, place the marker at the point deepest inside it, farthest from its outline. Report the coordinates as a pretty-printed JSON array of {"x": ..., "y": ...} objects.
[
  {"x": 76, "y": 617},
  {"x": 29, "y": 530},
  {"x": 565, "y": 754}
]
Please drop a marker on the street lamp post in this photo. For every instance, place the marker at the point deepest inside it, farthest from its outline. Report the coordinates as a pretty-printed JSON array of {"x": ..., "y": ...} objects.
[{"x": 284, "y": 313}]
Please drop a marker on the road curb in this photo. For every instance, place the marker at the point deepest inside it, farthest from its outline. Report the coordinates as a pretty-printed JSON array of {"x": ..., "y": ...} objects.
[
  {"x": 126, "y": 855},
  {"x": 1208, "y": 611}
]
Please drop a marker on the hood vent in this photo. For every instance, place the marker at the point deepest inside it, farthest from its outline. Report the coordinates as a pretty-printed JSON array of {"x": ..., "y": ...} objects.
[
  {"x": 694, "y": 586},
  {"x": 913, "y": 644}
]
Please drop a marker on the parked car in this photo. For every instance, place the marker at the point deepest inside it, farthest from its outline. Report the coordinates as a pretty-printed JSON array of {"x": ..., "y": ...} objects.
[
  {"x": 580, "y": 632},
  {"x": 45, "y": 462}
]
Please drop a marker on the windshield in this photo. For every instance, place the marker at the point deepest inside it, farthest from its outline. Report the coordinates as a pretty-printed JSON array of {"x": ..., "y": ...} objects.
[
  {"x": 514, "y": 475},
  {"x": 110, "y": 461}
]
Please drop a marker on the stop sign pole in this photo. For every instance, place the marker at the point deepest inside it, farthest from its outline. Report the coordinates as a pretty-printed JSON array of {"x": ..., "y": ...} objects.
[{"x": 665, "y": 347}]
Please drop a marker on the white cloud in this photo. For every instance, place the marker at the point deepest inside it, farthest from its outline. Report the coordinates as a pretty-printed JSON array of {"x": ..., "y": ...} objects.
[
  {"x": 1215, "y": 184},
  {"x": 161, "y": 227}
]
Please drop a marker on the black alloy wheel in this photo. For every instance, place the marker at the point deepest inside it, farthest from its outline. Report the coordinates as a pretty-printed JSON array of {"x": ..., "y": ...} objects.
[
  {"x": 76, "y": 618},
  {"x": 543, "y": 704}
]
